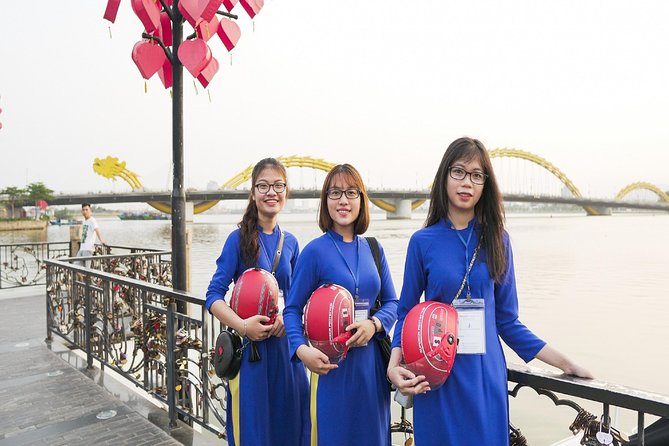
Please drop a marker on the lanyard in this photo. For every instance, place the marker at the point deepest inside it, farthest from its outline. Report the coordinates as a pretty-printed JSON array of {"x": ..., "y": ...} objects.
[
  {"x": 277, "y": 255},
  {"x": 464, "y": 279},
  {"x": 350, "y": 270},
  {"x": 467, "y": 269}
]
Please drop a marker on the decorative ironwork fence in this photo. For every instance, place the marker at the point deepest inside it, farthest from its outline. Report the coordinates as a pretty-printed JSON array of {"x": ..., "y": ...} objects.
[
  {"x": 22, "y": 264},
  {"x": 121, "y": 314},
  {"x": 550, "y": 384}
]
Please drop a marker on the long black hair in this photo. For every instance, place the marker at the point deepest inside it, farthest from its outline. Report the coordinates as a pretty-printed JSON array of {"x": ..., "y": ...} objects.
[
  {"x": 489, "y": 210},
  {"x": 248, "y": 227}
]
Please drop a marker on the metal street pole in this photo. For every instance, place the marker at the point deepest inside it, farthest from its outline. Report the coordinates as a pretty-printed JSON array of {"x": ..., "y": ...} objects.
[{"x": 178, "y": 193}]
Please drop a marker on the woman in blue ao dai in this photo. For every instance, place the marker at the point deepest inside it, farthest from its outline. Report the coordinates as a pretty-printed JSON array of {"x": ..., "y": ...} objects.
[
  {"x": 268, "y": 401},
  {"x": 350, "y": 400},
  {"x": 471, "y": 407}
]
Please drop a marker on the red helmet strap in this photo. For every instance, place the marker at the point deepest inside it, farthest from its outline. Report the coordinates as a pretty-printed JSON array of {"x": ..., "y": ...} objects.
[
  {"x": 342, "y": 338},
  {"x": 442, "y": 351}
]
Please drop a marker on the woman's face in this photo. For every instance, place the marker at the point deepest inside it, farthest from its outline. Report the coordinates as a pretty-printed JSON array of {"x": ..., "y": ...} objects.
[
  {"x": 343, "y": 211},
  {"x": 269, "y": 204},
  {"x": 463, "y": 194}
]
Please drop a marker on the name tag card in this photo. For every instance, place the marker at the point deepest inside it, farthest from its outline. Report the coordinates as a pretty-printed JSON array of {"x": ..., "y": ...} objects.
[
  {"x": 361, "y": 310},
  {"x": 282, "y": 302},
  {"x": 471, "y": 326}
]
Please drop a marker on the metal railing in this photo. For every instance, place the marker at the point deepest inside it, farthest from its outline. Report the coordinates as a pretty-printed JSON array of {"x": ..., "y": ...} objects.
[
  {"x": 128, "y": 322},
  {"x": 132, "y": 327},
  {"x": 22, "y": 264},
  {"x": 609, "y": 395}
]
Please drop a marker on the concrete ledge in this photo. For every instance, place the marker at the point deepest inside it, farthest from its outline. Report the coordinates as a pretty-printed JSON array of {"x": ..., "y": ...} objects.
[{"x": 22, "y": 225}]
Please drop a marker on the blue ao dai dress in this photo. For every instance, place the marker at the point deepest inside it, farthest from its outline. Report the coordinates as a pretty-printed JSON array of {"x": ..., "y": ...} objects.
[
  {"x": 268, "y": 402},
  {"x": 350, "y": 404},
  {"x": 471, "y": 408}
]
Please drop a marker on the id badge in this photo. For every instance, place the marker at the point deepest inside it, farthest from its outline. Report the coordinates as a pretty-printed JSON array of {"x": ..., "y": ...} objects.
[
  {"x": 281, "y": 303},
  {"x": 361, "y": 310},
  {"x": 471, "y": 326}
]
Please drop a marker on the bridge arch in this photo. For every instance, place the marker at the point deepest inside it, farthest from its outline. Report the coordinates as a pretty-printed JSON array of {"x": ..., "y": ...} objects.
[
  {"x": 111, "y": 168},
  {"x": 542, "y": 162},
  {"x": 313, "y": 163},
  {"x": 642, "y": 185}
]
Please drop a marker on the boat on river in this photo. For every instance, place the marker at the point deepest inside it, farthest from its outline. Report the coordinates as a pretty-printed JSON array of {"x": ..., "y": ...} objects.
[
  {"x": 143, "y": 216},
  {"x": 64, "y": 222}
]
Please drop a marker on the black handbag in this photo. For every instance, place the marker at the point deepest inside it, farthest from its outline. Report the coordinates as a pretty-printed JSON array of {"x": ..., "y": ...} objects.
[
  {"x": 384, "y": 343},
  {"x": 227, "y": 354}
]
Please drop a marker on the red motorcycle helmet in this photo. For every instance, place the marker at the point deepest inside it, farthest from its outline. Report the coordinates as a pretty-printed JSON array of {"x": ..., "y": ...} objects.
[
  {"x": 256, "y": 291},
  {"x": 329, "y": 310},
  {"x": 430, "y": 341}
]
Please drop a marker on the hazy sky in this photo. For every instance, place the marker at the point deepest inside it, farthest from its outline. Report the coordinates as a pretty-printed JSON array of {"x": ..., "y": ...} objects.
[{"x": 384, "y": 85}]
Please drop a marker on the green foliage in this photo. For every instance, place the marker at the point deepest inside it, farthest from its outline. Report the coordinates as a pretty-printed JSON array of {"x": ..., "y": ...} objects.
[
  {"x": 63, "y": 214},
  {"x": 12, "y": 195},
  {"x": 38, "y": 191}
]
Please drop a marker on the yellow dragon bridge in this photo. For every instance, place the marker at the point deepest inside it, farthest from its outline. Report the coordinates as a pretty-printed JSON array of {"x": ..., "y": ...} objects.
[{"x": 111, "y": 168}]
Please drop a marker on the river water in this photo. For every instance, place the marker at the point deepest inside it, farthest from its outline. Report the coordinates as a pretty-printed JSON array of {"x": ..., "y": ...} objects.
[{"x": 596, "y": 288}]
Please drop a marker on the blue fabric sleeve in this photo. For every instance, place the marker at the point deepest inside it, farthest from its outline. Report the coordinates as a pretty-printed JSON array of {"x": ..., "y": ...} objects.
[
  {"x": 227, "y": 265},
  {"x": 412, "y": 287},
  {"x": 512, "y": 331}
]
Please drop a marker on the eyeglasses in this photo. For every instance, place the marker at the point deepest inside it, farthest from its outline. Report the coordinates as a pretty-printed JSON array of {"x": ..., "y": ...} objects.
[
  {"x": 458, "y": 173},
  {"x": 351, "y": 194},
  {"x": 263, "y": 188}
]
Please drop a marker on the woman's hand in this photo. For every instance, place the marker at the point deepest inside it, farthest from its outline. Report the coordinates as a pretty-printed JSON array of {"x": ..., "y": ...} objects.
[
  {"x": 278, "y": 329},
  {"x": 553, "y": 357},
  {"x": 406, "y": 382},
  {"x": 364, "y": 330},
  {"x": 315, "y": 360},
  {"x": 578, "y": 371},
  {"x": 254, "y": 328}
]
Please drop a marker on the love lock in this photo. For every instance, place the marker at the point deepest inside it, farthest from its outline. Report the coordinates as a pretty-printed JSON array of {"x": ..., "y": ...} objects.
[
  {"x": 598, "y": 432},
  {"x": 604, "y": 437}
]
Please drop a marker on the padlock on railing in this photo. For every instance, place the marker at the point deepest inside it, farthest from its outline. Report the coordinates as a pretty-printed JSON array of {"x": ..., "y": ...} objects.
[
  {"x": 516, "y": 438},
  {"x": 596, "y": 432}
]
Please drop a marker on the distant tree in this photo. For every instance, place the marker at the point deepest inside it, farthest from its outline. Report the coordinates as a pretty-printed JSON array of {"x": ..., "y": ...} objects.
[
  {"x": 40, "y": 195},
  {"x": 62, "y": 214},
  {"x": 38, "y": 191},
  {"x": 12, "y": 195}
]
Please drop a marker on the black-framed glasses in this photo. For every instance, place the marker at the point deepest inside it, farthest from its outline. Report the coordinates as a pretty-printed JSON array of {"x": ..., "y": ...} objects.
[
  {"x": 278, "y": 187},
  {"x": 458, "y": 173},
  {"x": 351, "y": 194}
]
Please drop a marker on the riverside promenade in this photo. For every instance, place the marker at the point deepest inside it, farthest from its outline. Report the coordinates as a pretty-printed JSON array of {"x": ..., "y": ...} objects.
[{"x": 48, "y": 397}]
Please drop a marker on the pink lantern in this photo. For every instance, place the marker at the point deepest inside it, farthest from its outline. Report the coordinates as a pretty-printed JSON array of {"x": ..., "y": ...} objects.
[
  {"x": 229, "y": 33},
  {"x": 111, "y": 10},
  {"x": 208, "y": 72},
  {"x": 195, "y": 55},
  {"x": 149, "y": 57},
  {"x": 206, "y": 29},
  {"x": 252, "y": 7}
]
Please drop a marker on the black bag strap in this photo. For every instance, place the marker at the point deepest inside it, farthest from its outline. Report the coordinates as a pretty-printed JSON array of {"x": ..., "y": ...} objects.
[
  {"x": 376, "y": 253},
  {"x": 277, "y": 255}
]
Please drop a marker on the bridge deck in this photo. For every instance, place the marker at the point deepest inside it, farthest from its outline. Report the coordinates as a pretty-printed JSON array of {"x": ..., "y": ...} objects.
[{"x": 383, "y": 194}]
